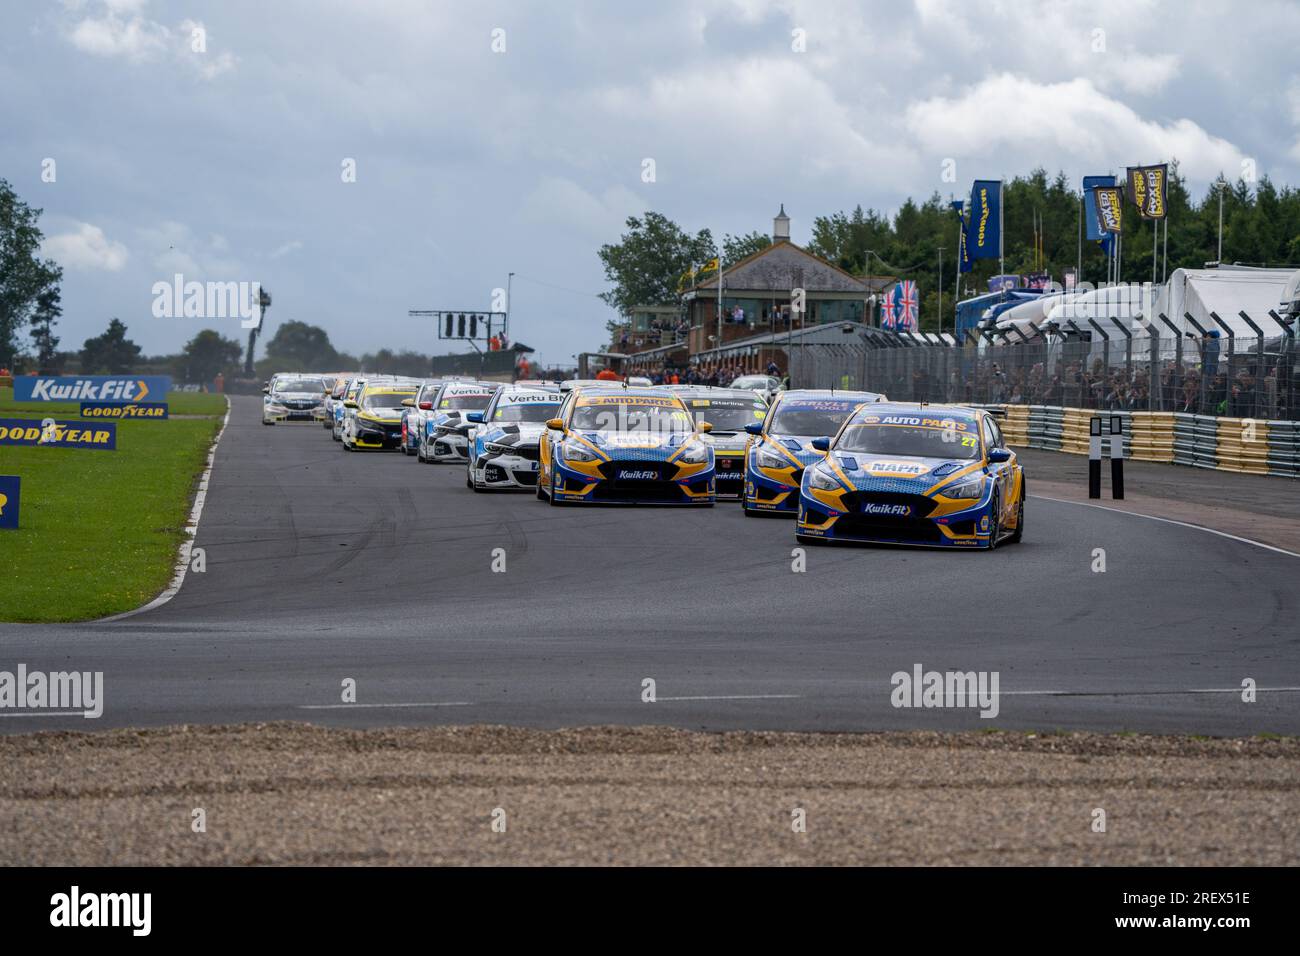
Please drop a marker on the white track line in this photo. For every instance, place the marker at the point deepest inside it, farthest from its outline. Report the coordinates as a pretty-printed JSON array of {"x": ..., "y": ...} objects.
[
  {"x": 439, "y": 703},
  {"x": 738, "y": 697},
  {"x": 1144, "y": 693},
  {"x": 191, "y": 529},
  {"x": 1182, "y": 524},
  {"x": 44, "y": 713}
]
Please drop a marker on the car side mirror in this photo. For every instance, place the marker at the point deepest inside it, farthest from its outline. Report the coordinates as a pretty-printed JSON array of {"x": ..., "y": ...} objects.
[
  {"x": 266, "y": 390},
  {"x": 822, "y": 444},
  {"x": 754, "y": 428},
  {"x": 557, "y": 424},
  {"x": 408, "y": 403},
  {"x": 704, "y": 427},
  {"x": 997, "y": 455},
  {"x": 474, "y": 417},
  {"x": 350, "y": 404}
]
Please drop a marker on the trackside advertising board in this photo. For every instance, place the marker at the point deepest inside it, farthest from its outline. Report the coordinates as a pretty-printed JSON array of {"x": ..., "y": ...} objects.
[
  {"x": 10, "y": 493},
  {"x": 117, "y": 389},
  {"x": 150, "y": 410},
  {"x": 97, "y": 436}
]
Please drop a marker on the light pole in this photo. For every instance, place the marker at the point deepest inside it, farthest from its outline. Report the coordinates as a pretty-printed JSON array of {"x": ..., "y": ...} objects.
[
  {"x": 1222, "y": 184},
  {"x": 509, "y": 279}
]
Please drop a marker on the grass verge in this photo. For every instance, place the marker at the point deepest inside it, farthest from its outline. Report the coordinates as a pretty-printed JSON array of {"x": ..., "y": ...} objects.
[{"x": 100, "y": 529}]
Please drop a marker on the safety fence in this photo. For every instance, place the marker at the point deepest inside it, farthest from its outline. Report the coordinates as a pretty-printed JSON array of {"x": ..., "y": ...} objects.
[
  {"x": 1234, "y": 376},
  {"x": 1251, "y": 446}
]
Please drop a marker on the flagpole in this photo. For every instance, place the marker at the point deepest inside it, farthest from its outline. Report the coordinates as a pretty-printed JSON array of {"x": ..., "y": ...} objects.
[
  {"x": 1002, "y": 267},
  {"x": 1078, "y": 266},
  {"x": 1164, "y": 275}
]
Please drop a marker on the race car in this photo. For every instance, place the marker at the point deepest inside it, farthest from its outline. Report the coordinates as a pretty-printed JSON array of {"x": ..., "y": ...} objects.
[
  {"x": 334, "y": 396},
  {"x": 628, "y": 445},
  {"x": 728, "y": 410},
  {"x": 781, "y": 448},
  {"x": 444, "y": 437},
  {"x": 292, "y": 398},
  {"x": 415, "y": 412},
  {"x": 932, "y": 475},
  {"x": 376, "y": 419},
  {"x": 503, "y": 445},
  {"x": 340, "y": 410}
]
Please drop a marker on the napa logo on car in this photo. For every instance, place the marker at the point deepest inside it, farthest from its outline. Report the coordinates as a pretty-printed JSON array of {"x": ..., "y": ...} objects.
[
  {"x": 895, "y": 469},
  {"x": 117, "y": 389},
  {"x": 101, "y": 436},
  {"x": 150, "y": 410}
]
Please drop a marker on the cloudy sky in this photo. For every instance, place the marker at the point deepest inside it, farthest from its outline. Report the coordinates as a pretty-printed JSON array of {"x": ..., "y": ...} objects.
[{"x": 491, "y": 138}]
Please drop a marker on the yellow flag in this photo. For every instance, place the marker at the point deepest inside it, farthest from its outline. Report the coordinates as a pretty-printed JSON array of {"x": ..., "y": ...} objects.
[{"x": 709, "y": 266}]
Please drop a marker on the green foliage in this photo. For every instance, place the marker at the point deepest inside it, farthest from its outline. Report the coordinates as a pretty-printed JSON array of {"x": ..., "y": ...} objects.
[
  {"x": 44, "y": 318},
  {"x": 300, "y": 347},
  {"x": 647, "y": 263},
  {"x": 111, "y": 353},
  {"x": 23, "y": 275},
  {"x": 205, "y": 355}
]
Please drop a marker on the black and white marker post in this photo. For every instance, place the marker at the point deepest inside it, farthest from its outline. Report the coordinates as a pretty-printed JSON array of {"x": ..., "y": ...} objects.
[{"x": 1116, "y": 451}]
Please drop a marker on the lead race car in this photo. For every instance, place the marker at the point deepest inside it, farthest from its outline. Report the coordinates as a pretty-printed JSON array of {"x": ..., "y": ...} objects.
[
  {"x": 781, "y": 446},
  {"x": 934, "y": 475},
  {"x": 629, "y": 445},
  {"x": 503, "y": 447},
  {"x": 728, "y": 411}
]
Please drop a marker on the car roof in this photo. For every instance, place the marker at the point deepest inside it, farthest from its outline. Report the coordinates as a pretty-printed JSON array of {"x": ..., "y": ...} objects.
[
  {"x": 836, "y": 394},
  {"x": 615, "y": 391},
  {"x": 717, "y": 392},
  {"x": 924, "y": 408}
]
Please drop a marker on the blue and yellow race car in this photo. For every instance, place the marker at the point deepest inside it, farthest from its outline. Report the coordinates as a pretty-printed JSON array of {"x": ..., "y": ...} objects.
[
  {"x": 630, "y": 445},
  {"x": 932, "y": 475},
  {"x": 781, "y": 445}
]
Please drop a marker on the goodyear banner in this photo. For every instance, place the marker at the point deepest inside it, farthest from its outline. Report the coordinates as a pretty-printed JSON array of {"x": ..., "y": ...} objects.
[
  {"x": 1108, "y": 202},
  {"x": 964, "y": 262},
  {"x": 91, "y": 388},
  {"x": 99, "y": 436},
  {"x": 985, "y": 240},
  {"x": 10, "y": 488},
  {"x": 1148, "y": 187},
  {"x": 151, "y": 410}
]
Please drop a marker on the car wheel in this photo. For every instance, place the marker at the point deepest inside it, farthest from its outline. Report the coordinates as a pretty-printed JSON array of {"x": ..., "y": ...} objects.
[
  {"x": 541, "y": 495},
  {"x": 550, "y": 498},
  {"x": 1018, "y": 535},
  {"x": 995, "y": 524}
]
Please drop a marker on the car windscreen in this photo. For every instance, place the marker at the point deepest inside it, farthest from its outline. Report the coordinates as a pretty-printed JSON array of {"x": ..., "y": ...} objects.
[
  {"x": 655, "y": 416},
  {"x": 525, "y": 411},
  {"x": 727, "y": 414},
  {"x": 753, "y": 381},
  {"x": 464, "y": 403},
  {"x": 810, "y": 418},
  {"x": 300, "y": 385},
  {"x": 913, "y": 441},
  {"x": 385, "y": 399}
]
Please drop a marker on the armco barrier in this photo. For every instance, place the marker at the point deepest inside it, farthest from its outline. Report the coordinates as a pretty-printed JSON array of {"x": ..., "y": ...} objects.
[{"x": 1200, "y": 441}]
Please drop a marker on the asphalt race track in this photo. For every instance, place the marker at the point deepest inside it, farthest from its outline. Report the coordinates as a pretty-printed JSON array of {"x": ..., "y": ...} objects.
[{"x": 324, "y": 565}]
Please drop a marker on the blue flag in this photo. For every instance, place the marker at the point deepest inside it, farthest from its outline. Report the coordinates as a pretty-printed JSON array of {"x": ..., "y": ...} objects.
[
  {"x": 1090, "y": 210},
  {"x": 984, "y": 241}
]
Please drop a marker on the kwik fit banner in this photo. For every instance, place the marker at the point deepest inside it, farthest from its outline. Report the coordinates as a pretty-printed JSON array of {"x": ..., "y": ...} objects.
[
  {"x": 48, "y": 433},
  {"x": 985, "y": 219},
  {"x": 1148, "y": 187},
  {"x": 154, "y": 410},
  {"x": 1108, "y": 202},
  {"x": 91, "y": 388}
]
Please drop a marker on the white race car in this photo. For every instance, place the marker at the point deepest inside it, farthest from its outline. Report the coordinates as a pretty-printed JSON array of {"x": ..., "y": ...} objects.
[{"x": 503, "y": 440}]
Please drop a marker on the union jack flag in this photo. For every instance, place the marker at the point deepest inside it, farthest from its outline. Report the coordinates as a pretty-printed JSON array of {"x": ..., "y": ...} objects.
[
  {"x": 887, "y": 310},
  {"x": 908, "y": 306}
]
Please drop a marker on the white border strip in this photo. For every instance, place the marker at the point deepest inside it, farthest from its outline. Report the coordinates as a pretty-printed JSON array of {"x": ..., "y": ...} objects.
[
  {"x": 431, "y": 703},
  {"x": 1182, "y": 524},
  {"x": 191, "y": 529}
]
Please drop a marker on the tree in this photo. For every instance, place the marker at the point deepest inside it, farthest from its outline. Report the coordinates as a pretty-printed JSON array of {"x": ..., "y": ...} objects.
[
  {"x": 300, "y": 347},
  {"x": 111, "y": 353},
  {"x": 44, "y": 318},
  {"x": 735, "y": 248},
  {"x": 23, "y": 275},
  {"x": 207, "y": 354},
  {"x": 646, "y": 265}
]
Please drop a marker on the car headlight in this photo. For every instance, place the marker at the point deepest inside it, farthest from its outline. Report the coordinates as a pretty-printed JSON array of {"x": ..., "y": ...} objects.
[
  {"x": 822, "y": 480},
  {"x": 696, "y": 453},
  {"x": 970, "y": 488},
  {"x": 492, "y": 448},
  {"x": 769, "y": 459},
  {"x": 575, "y": 452}
]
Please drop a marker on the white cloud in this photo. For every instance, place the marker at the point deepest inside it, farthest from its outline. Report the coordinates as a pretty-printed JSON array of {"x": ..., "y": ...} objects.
[
  {"x": 85, "y": 248},
  {"x": 120, "y": 28},
  {"x": 1072, "y": 119},
  {"x": 291, "y": 246},
  {"x": 174, "y": 248}
]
